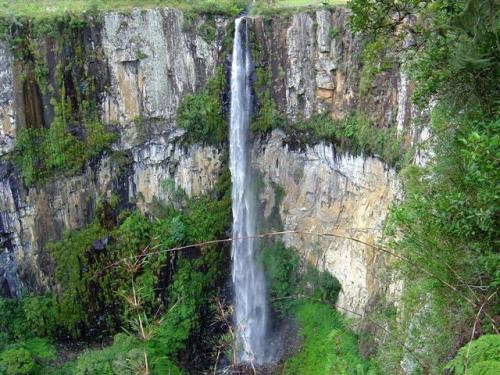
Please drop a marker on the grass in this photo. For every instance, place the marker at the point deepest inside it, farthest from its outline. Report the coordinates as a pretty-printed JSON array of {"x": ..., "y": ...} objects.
[
  {"x": 42, "y": 9},
  {"x": 328, "y": 346},
  {"x": 301, "y": 3},
  {"x": 264, "y": 7}
]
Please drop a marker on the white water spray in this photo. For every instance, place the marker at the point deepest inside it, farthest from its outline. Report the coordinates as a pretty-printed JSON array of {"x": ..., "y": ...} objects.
[{"x": 248, "y": 277}]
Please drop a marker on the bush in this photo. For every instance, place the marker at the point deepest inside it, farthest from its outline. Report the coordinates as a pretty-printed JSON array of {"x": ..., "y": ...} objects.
[
  {"x": 41, "y": 315},
  {"x": 13, "y": 324},
  {"x": 481, "y": 356},
  {"x": 201, "y": 114},
  {"x": 119, "y": 358},
  {"x": 17, "y": 362},
  {"x": 282, "y": 269},
  {"x": 288, "y": 282},
  {"x": 26, "y": 357},
  {"x": 323, "y": 285},
  {"x": 267, "y": 116}
]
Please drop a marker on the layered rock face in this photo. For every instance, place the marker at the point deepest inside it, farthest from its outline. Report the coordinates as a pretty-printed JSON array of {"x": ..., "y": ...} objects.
[
  {"x": 153, "y": 61},
  {"x": 316, "y": 68},
  {"x": 340, "y": 194}
]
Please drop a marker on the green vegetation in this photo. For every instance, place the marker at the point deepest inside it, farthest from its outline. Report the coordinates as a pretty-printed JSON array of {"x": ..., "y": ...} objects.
[
  {"x": 39, "y": 153},
  {"x": 201, "y": 114},
  {"x": 481, "y": 356},
  {"x": 45, "y": 9},
  {"x": 302, "y": 292},
  {"x": 267, "y": 116},
  {"x": 80, "y": 261},
  {"x": 448, "y": 222},
  {"x": 375, "y": 61},
  {"x": 24, "y": 319},
  {"x": 30, "y": 356},
  {"x": 289, "y": 281},
  {"x": 272, "y": 7},
  {"x": 328, "y": 347},
  {"x": 355, "y": 133},
  {"x": 114, "y": 275},
  {"x": 61, "y": 128}
]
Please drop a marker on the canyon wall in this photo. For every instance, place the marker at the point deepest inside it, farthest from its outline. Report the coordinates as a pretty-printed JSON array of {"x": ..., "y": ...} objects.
[
  {"x": 152, "y": 64},
  {"x": 152, "y": 61}
]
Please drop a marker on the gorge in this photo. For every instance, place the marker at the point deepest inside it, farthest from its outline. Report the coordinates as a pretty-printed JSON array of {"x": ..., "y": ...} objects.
[{"x": 136, "y": 142}]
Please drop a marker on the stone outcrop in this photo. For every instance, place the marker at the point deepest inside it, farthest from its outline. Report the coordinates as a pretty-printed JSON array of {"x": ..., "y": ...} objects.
[
  {"x": 316, "y": 66},
  {"x": 154, "y": 62}
]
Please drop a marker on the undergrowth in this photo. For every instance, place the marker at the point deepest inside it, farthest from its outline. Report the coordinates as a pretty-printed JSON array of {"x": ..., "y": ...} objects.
[
  {"x": 201, "y": 114},
  {"x": 328, "y": 346},
  {"x": 354, "y": 133}
]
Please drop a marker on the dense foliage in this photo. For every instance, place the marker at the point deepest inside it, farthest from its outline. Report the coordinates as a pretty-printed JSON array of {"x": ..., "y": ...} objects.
[
  {"x": 201, "y": 114},
  {"x": 481, "y": 356},
  {"x": 290, "y": 281},
  {"x": 447, "y": 223},
  {"x": 115, "y": 275}
]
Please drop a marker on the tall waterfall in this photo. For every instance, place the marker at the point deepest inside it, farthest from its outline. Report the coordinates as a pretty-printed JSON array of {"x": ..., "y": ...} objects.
[{"x": 248, "y": 276}]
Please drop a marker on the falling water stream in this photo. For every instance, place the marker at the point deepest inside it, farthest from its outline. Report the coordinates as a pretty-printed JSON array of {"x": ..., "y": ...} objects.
[{"x": 251, "y": 315}]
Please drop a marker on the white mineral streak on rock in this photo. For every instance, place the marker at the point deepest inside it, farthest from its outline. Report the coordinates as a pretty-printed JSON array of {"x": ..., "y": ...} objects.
[
  {"x": 7, "y": 114},
  {"x": 403, "y": 100}
]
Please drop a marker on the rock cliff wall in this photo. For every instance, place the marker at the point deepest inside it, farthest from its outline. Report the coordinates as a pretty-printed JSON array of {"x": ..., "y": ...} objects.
[
  {"x": 341, "y": 194},
  {"x": 316, "y": 68},
  {"x": 152, "y": 61}
]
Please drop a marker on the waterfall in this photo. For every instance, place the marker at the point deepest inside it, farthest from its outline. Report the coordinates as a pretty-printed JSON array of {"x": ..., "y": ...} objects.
[{"x": 248, "y": 276}]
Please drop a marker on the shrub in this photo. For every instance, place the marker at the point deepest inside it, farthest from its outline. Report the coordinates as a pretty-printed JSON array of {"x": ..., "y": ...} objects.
[
  {"x": 481, "y": 356},
  {"x": 41, "y": 314},
  {"x": 13, "y": 324},
  {"x": 26, "y": 357},
  {"x": 282, "y": 270},
  {"x": 17, "y": 362},
  {"x": 200, "y": 114},
  {"x": 323, "y": 285},
  {"x": 288, "y": 282},
  {"x": 119, "y": 358}
]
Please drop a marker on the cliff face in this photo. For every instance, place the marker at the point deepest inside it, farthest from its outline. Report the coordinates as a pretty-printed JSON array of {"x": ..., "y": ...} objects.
[
  {"x": 341, "y": 194},
  {"x": 316, "y": 68},
  {"x": 152, "y": 61}
]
